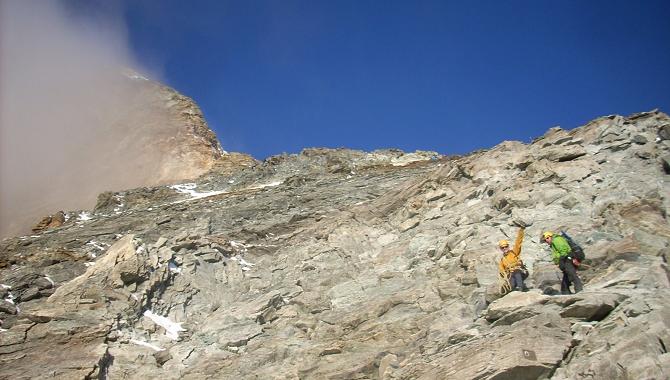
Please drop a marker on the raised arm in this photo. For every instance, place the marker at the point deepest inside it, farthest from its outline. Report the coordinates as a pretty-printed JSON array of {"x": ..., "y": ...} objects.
[{"x": 518, "y": 241}]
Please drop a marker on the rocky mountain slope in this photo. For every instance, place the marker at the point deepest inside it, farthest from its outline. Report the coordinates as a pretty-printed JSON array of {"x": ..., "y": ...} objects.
[
  {"x": 338, "y": 264},
  {"x": 140, "y": 134}
]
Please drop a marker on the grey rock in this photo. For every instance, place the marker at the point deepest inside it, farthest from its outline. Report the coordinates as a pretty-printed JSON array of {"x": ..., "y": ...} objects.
[
  {"x": 564, "y": 153},
  {"x": 7, "y": 307},
  {"x": 570, "y": 202},
  {"x": 618, "y": 146},
  {"x": 523, "y": 313},
  {"x": 512, "y": 302},
  {"x": 28, "y": 294},
  {"x": 162, "y": 357},
  {"x": 463, "y": 335},
  {"x": 623, "y": 347},
  {"x": 593, "y": 307},
  {"x": 43, "y": 283},
  {"x": 639, "y": 139},
  {"x": 388, "y": 362},
  {"x": 644, "y": 154},
  {"x": 160, "y": 242},
  {"x": 521, "y": 218},
  {"x": 387, "y": 270},
  {"x": 408, "y": 225},
  {"x": 665, "y": 160},
  {"x": 537, "y": 345},
  {"x": 664, "y": 132},
  {"x": 163, "y": 220}
]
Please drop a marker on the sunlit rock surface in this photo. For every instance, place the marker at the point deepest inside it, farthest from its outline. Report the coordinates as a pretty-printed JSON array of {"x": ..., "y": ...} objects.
[{"x": 339, "y": 264}]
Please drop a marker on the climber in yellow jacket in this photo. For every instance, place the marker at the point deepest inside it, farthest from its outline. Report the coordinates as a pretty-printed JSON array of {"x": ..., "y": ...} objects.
[{"x": 511, "y": 267}]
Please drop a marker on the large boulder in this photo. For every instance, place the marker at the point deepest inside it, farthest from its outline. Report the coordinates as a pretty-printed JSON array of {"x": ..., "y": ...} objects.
[
  {"x": 513, "y": 302},
  {"x": 529, "y": 349}
]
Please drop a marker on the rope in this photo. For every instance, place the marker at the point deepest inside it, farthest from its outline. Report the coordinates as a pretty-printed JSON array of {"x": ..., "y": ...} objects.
[{"x": 504, "y": 284}]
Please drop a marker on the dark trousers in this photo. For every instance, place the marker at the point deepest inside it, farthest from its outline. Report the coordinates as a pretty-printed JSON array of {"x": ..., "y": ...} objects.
[
  {"x": 570, "y": 276},
  {"x": 516, "y": 280}
]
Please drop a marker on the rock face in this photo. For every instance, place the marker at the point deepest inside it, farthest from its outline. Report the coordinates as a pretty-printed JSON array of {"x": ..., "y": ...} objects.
[
  {"x": 338, "y": 264},
  {"x": 151, "y": 137},
  {"x": 50, "y": 221}
]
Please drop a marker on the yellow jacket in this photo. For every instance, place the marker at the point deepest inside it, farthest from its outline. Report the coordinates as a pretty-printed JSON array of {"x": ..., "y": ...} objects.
[{"x": 511, "y": 260}]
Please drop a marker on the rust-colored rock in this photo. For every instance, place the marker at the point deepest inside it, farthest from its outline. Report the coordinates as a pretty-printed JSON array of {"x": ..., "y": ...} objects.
[{"x": 49, "y": 222}]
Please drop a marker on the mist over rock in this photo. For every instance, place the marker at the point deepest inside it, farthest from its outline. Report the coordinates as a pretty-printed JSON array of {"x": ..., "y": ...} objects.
[
  {"x": 77, "y": 118},
  {"x": 153, "y": 136},
  {"x": 341, "y": 264}
]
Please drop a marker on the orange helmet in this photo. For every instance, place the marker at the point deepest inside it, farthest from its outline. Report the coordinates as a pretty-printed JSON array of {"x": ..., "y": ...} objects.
[{"x": 503, "y": 244}]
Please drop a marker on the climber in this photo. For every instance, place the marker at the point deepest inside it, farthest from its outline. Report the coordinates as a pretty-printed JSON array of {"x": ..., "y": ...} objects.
[
  {"x": 560, "y": 255},
  {"x": 511, "y": 267}
]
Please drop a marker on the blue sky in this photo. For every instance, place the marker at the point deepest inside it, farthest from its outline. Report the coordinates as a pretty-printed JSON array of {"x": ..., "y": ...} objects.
[{"x": 280, "y": 76}]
